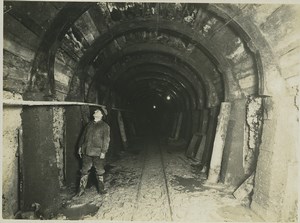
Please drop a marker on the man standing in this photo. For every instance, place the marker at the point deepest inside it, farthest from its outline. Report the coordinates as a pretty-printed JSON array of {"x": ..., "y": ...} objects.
[{"x": 93, "y": 146}]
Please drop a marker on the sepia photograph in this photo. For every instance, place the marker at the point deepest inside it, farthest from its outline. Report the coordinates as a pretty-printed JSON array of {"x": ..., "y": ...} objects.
[{"x": 154, "y": 111}]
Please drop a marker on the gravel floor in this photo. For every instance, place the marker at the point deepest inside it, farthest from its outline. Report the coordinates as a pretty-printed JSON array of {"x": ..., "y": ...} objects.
[{"x": 156, "y": 182}]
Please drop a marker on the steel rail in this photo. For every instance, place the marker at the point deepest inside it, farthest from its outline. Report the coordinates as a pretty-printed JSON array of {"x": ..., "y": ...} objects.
[{"x": 166, "y": 181}]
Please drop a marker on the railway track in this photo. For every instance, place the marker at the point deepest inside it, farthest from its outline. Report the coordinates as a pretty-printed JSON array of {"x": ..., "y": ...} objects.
[{"x": 153, "y": 201}]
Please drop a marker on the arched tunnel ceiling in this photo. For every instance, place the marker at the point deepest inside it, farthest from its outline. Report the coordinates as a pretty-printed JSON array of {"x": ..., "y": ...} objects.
[
  {"x": 169, "y": 43},
  {"x": 178, "y": 48}
]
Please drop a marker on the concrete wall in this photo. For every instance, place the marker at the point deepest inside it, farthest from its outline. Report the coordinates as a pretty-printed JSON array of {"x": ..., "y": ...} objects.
[
  {"x": 274, "y": 30},
  {"x": 275, "y": 194},
  {"x": 277, "y": 39},
  {"x": 11, "y": 125}
]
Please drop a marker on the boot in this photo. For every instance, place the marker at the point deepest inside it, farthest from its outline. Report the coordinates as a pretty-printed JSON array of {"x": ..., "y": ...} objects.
[
  {"x": 100, "y": 181},
  {"x": 82, "y": 184}
]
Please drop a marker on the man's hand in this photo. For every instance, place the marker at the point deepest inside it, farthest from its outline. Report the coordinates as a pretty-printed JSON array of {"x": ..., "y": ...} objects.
[{"x": 80, "y": 152}]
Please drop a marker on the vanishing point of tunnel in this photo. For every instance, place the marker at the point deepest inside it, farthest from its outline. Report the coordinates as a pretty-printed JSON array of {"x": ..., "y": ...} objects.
[{"x": 202, "y": 101}]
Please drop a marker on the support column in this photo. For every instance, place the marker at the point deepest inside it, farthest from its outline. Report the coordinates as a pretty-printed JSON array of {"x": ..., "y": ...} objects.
[
  {"x": 173, "y": 133},
  {"x": 204, "y": 121},
  {"x": 219, "y": 142},
  {"x": 122, "y": 129},
  {"x": 210, "y": 135},
  {"x": 203, "y": 132},
  {"x": 178, "y": 127}
]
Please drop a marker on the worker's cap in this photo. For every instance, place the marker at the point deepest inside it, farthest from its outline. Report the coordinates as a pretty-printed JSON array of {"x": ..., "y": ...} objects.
[{"x": 102, "y": 111}]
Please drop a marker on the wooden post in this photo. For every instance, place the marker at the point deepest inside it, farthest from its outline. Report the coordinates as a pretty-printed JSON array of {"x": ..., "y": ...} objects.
[
  {"x": 203, "y": 131},
  {"x": 210, "y": 135},
  {"x": 122, "y": 129},
  {"x": 219, "y": 142},
  {"x": 201, "y": 148},
  {"x": 204, "y": 119},
  {"x": 173, "y": 133},
  {"x": 178, "y": 127},
  {"x": 192, "y": 145}
]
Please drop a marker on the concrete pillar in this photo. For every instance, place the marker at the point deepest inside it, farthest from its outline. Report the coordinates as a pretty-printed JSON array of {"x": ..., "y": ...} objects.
[
  {"x": 122, "y": 129},
  {"x": 178, "y": 127},
  {"x": 219, "y": 142}
]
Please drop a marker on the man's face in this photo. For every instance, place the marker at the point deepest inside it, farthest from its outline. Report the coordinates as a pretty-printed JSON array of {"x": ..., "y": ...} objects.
[{"x": 98, "y": 115}]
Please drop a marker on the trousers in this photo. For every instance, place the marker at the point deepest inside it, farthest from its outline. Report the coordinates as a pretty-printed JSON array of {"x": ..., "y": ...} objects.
[{"x": 89, "y": 161}]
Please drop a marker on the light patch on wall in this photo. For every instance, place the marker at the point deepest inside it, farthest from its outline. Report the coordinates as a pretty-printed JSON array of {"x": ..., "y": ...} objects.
[
  {"x": 253, "y": 130},
  {"x": 239, "y": 51},
  {"x": 11, "y": 124},
  {"x": 247, "y": 82},
  {"x": 19, "y": 50},
  {"x": 62, "y": 78},
  {"x": 59, "y": 139}
]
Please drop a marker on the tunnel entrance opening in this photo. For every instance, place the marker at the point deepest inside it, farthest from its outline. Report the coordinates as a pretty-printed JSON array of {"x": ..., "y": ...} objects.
[{"x": 154, "y": 118}]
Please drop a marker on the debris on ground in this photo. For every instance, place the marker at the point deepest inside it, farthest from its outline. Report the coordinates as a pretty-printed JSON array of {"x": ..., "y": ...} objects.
[{"x": 156, "y": 183}]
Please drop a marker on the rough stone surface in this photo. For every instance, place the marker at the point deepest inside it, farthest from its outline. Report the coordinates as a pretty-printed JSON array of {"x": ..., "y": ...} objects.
[
  {"x": 59, "y": 140},
  {"x": 254, "y": 118},
  {"x": 273, "y": 177},
  {"x": 15, "y": 30},
  {"x": 11, "y": 124}
]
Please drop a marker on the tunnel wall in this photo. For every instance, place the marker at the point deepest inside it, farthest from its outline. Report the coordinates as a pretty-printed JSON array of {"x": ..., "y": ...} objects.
[
  {"x": 276, "y": 36},
  {"x": 43, "y": 128},
  {"x": 63, "y": 73},
  {"x": 275, "y": 195},
  {"x": 19, "y": 45},
  {"x": 10, "y": 187}
]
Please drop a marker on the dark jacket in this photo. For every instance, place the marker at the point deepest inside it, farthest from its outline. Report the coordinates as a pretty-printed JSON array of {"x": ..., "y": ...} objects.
[{"x": 95, "y": 138}]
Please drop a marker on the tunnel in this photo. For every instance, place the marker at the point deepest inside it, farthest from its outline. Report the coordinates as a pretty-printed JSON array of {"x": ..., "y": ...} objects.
[{"x": 202, "y": 101}]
